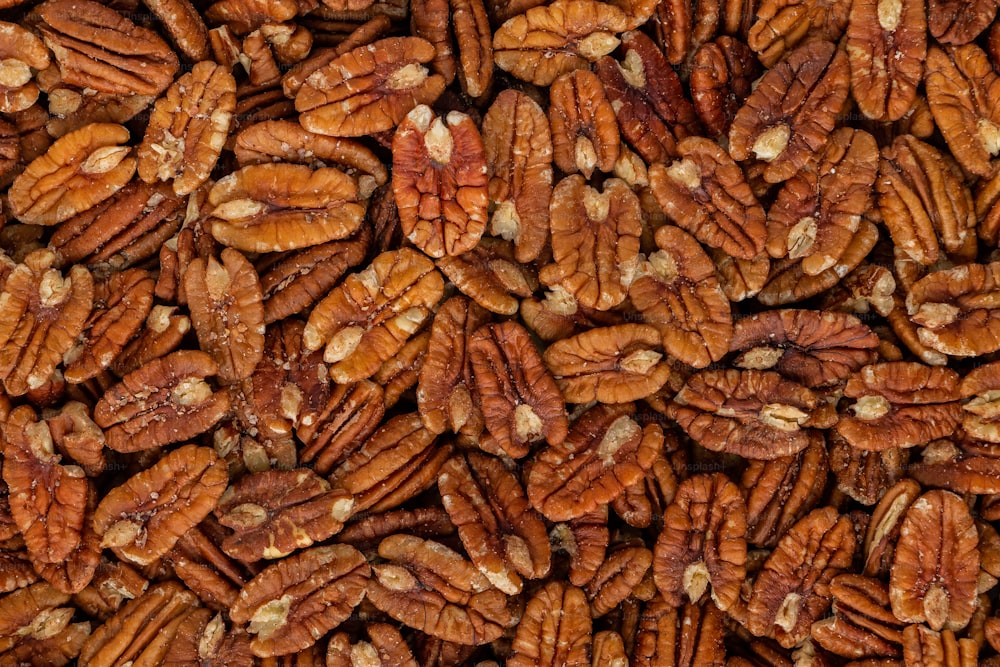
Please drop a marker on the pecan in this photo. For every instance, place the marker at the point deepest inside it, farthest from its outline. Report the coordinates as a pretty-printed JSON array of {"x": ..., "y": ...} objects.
[
  {"x": 689, "y": 635},
  {"x": 791, "y": 113},
  {"x": 951, "y": 23},
  {"x": 933, "y": 576},
  {"x": 883, "y": 529},
  {"x": 756, "y": 414},
  {"x": 624, "y": 573},
  {"x": 366, "y": 533},
  {"x": 863, "y": 626},
  {"x": 393, "y": 81},
  {"x": 722, "y": 72},
  {"x": 518, "y": 146},
  {"x": 370, "y": 315},
  {"x": 555, "y": 630},
  {"x": 740, "y": 279},
  {"x": 949, "y": 304},
  {"x": 295, "y": 601},
  {"x": 610, "y": 364},
  {"x": 227, "y": 312},
  {"x": 80, "y": 170},
  {"x": 554, "y": 39},
  {"x": 439, "y": 181},
  {"x": 886, "y": 47},
  {"x": 900, "y": 404},
  {"x": 278, "y": 511},
  {"x": 96, "y": 47},
  {"x": 595, "y": 241},
  {"x": 923, "y": 646},
  {"x": 818, "y": 211},
  {"x": 812, "y": 348},
  {"x": 243, "y": 16},
  {"x": 520, "y": 400},
  {"x": 427, "y": 586},
  {"x": 143, "y": 518},
  {"x": 351, "y": 413},
  {"x": 165, "y": 401},
  {"x": 584, "y": 131},
  {"x": 605, "y": 451},
  {"x": 866, "y": 475},
  {"x": 922, "y": 198},
  {"x": 445, "y": 390},
  {"x": 783, "y": 24},
  {"x": 792, "y": 590},
  {"x": 185, "y": 26},
  {"x": 276, "y": 207},
  {"x": 187, "y": 128},
  {"x": 386, "y": 646},
  {"x": 961, "y": 86},
  {"x": 703, "y": 543},
  {"x": 474, "y": 38},
  {"x": 677, "y": 292},
  {"x": 968, "y": 468},
  {"x": 202, "y": 640},
  {"x": 430, "y": 20},
  {"x": 490, "y": 274},
  {"x": 160, "y": 335},
  {"x": 503, "y": 535},
  {"x": 21, "y": 51},
  {"x": 979, "y": 395}
]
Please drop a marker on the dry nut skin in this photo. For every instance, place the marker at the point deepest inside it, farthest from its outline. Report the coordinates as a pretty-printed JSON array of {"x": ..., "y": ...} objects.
[
  {"x": 369, "y": 89},
  {"x": 756, "y": 414},
  {"x": 98, "y": 48},
  {"x": 518, "y": 145},
  {"x": 165, "y": 401},
  {"x": 439, "y": 181},
  {"x": 188, "y": 128},
  {"x": 554, "y": 39},
  {"x": 595, "y": 241},
  {"x": 143, "y": 518},
  {"x": 605, "y": 452},
  {"x": 933, "y": 576},
  {"x": 520, "y": 400},
  {"x": 295, "y": 601},
  {"x": 428, "y": 587},
  {"x": 706, "y": 194},
  {"x": 227, "y": 312},
  {"x": 615, "y": 364},
  {"x": 79, "y": 170},
  {"x": 900, "y": 404},
  {"x": 677, "y": 291},
  {"x": 791, "y": 112},
  {"x": 702, "y": 543},
  {"x": 555, "y": 630},
  {"x": 44, "y": 311},
  {"x": 372, "y": 313},
  {"x": 277, "y": 207}
]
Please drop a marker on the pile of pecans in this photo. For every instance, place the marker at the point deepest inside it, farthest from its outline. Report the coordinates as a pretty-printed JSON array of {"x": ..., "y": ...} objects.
[{"x": 465, "y": 332}]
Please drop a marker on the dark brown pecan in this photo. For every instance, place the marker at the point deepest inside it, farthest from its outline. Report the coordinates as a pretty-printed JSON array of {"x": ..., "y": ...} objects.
[
  {"x": 605, "y": 452},
  {"x": 520, "y": 400},
  {"x": 706, "y": 194},
  {"x": 439, "y": 181},
  {"x": 294, "y": 602},
  {"x": 953, "y": 23},
  {"x": 431, "y": 588},
  {"x": 756, "y": 414},
  {"x": 504, "y": 536},
  {"x": 595, "y": 241},
  {"x": 165, "y": 401},
  {"x": 703, "y": 543},
  {"x": 722, "y": 72},
  {"x": 676, "y": 291},
  {"x": 143, "y": 518},
  {"x": 791, "y": 113},
  {"x": 555, "y": 629}
]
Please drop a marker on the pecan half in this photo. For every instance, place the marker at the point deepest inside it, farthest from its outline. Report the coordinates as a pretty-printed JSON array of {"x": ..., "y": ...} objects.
[
  {"x": 584, "y": 131},
  {"x": 555, "y": 629}
]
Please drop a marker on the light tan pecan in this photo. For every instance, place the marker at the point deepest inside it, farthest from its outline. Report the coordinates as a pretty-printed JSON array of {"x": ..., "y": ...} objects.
[
  {"x": 520, "y": 400},
  {"x": 439, "y": 181},
  {"x": 518, "y": 145},
  {"x": 44, "y": 311},
  {"x": 936, "y": 563},
  {"x": 276, "y": 207},
  {"x": 792, "y": 111},
  {"x": 97, "y": 47},
  {"x": 703, "y": 543},
  {"x": 187, "y": 128},
  {"x": 393, "y": 81},
  {"x": 427, "y": 586},
  {"x": 676, "y": 291},
  {"x": 80, "y": 170},
  {"x": 372, "y": 313},
  {"x": 595, "y": 241},
  {"x": 605, "y": 451},
  {"x": 550, "y": 40},
  {"x": 165, "y": 401},
  {"x": 297, "y": 600},
  {"x": 143, "y": 518}
]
